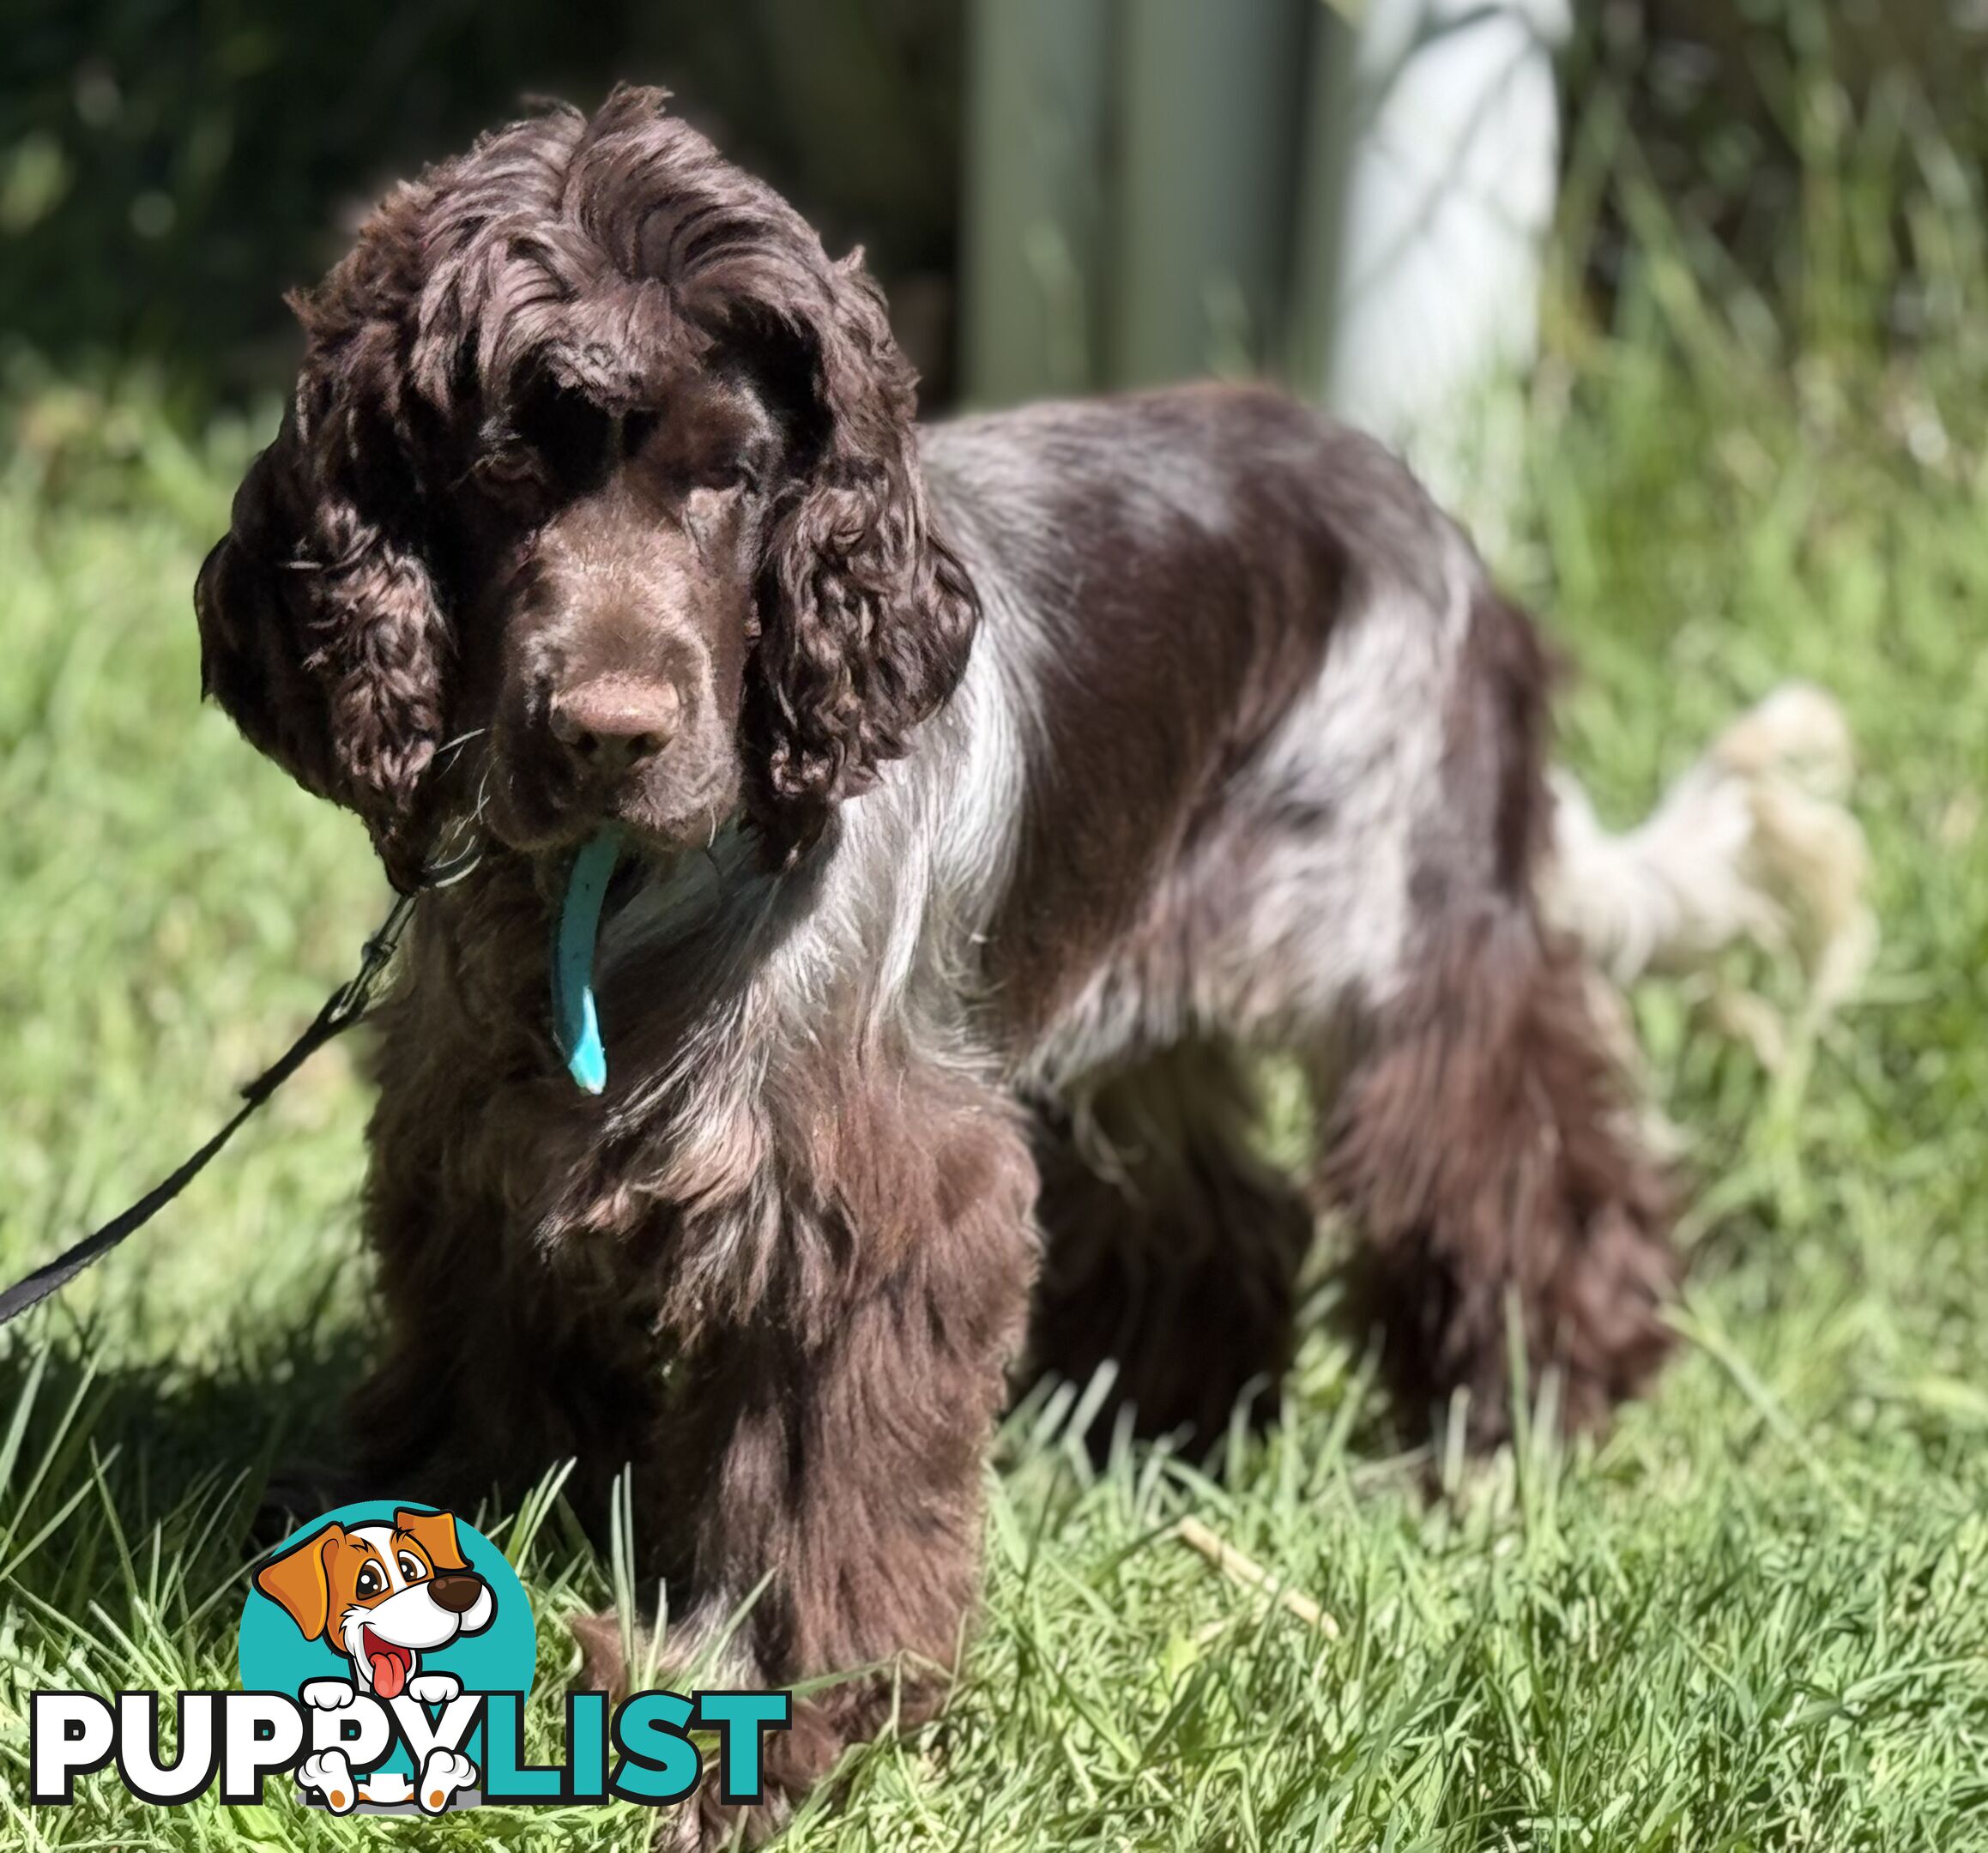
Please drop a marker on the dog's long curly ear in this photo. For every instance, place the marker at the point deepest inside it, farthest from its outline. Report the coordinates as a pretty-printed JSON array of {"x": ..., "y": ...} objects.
[
  {"x": 866, "y": 615},
  {"x": 321, "y": 632}
]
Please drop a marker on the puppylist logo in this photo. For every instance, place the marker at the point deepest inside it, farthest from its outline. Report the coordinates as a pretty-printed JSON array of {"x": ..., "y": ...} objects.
[{"x": 386, "y": 1654}]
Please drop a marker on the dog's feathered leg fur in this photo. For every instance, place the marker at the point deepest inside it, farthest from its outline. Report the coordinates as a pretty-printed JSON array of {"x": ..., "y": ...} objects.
[{"x": 1480, "y": 1143}]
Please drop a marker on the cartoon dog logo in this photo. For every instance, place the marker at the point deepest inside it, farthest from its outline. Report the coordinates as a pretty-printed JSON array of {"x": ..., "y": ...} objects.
[{"x": 381, "y": 1596}]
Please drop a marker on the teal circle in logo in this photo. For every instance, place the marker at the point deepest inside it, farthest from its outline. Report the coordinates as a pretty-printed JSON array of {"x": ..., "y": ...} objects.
[{"x": 313, "y": 1600}]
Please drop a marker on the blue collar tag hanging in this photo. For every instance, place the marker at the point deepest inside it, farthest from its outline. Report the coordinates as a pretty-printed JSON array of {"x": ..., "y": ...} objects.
[{"x": 575, "y": 1021}]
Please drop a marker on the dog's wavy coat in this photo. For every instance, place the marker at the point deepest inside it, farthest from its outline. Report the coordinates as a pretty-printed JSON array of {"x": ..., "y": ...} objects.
[{"x": 1000, "y": 786}]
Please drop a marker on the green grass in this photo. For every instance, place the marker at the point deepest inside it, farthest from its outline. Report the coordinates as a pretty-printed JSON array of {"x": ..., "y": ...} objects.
[{"x": 1755, "y": 1616}]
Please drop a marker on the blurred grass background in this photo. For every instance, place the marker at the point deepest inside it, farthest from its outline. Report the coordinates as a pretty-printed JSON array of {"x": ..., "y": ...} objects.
[
  {"x": 1756, "y": 1617},
  {"x": 168, "y": 168}
]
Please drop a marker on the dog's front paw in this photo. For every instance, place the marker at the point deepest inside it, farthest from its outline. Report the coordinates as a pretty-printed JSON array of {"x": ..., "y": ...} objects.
[
  {"x": 329, "y": 1774},
  {"x": 327, "y": 1695},
  {"x": 445, "y": 1773},
  {"x": 433, "y": 1689}
]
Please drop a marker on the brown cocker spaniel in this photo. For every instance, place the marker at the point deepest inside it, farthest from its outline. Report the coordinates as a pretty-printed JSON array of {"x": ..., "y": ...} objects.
[{"x": 992, "y": 792}]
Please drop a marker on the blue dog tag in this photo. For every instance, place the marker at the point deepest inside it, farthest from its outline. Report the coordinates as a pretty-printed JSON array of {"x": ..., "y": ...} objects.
[{"x": 576, "y": 1021}]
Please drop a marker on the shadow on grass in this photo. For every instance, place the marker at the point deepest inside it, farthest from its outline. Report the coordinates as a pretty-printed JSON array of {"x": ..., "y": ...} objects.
[
  {"x": 105, "y": 1467},
  {"x": 101, "y": 1467}
]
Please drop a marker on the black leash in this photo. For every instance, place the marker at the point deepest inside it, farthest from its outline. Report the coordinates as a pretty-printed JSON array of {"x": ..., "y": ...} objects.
[{"x": 342, "y": 1009}]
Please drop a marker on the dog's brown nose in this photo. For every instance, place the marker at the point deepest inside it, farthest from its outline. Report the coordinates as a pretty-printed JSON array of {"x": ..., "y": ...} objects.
[
  {"x": 615, "y": 722},
  {"x": 457, "y": 1593}
]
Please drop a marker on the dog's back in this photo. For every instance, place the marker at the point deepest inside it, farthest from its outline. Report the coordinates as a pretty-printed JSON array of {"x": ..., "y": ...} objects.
[{"x": 1238, "y": 635}]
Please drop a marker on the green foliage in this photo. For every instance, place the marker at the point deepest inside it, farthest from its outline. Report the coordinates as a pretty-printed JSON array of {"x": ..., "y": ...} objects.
[
  {"x": 1823, "y": 161},
  {"x": 166, "y": 170},
  {"x": 169, "y": 167}
]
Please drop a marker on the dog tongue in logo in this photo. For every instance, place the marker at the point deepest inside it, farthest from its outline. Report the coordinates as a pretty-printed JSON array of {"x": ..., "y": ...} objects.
[
  {"x": 387, "y": 1663},
  {"x": 575, "y": 1021}
]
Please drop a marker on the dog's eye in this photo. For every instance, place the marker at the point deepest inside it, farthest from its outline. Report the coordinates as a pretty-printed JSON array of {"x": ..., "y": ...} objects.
[
  {"x": 736, "y": 474},
  {"x": 369, "y": 1581},
  {"x": 412, "y": 1568},
  {"x": 512, "y": 468}
]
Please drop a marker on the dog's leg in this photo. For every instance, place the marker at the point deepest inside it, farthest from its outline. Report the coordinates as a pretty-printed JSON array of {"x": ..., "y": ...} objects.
[
  {"x": 824, "y": 1451},
  {"x": 495, "y": 1364},
  {"x": 484, "y": 1390},
  {"x": 1171, "y": 1247},
  {"x": 1481, "y": 1151},
  {"x": 1478, "y": 1138}
]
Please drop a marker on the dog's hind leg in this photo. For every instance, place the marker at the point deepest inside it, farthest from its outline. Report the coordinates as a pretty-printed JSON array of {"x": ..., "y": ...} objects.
[
  {"x": 1481, "y": 1140},
  {"x": 1172, "y": 1246},
  {"x": 1482, "y": 1151}
]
